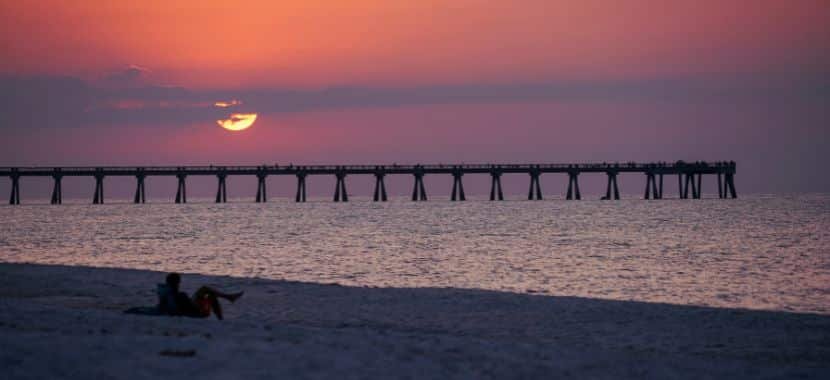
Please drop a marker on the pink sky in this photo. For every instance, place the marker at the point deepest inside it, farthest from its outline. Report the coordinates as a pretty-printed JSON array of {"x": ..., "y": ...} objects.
[
  {"x": 317, "y": 43},
  {"x": 104, "y": 83}
]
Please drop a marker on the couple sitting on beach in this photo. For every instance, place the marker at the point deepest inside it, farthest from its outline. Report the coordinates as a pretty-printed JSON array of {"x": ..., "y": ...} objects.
[{"x": 175, "y": 302}]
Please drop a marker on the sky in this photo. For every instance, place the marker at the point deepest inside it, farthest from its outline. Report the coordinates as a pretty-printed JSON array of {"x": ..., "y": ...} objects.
[{"x": 152, "y": 83}]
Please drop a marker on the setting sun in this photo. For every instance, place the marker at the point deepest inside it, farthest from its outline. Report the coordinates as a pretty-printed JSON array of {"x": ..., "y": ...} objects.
[{"x": 238, "y": 121}]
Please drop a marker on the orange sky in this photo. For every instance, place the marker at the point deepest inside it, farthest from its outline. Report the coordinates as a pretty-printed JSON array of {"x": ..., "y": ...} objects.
[{"x": 325, "y": 43}]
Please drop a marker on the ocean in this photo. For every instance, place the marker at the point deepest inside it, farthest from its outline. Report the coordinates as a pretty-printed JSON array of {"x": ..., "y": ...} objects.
[{"x": 755, "y": 252}]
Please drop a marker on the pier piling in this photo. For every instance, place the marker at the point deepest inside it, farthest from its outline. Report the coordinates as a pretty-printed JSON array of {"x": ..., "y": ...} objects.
[
  {"x": 300, "y": 197},
  {"x": 340, "y": 194},
  {"x": 730, "y": 185},
  {"x": 222, "y": 189},
  {"x": 651, "y": 187},
  {"x": 14, "y": 198},
  {"x": 612, "y": 184},
  {"x": 57, "y": 193},
  {"x": 380, "y": 185},
  {"x": 98, "y": 198},
  {"x": 457, "y": 185},
  {"x": 495, "y": 185},
  {"x": 261, "y": 196},
  {"x": 689, "y": 181},
  {"x": 419, "y": 192},
  {"x": 181, "y": 188},
  {"x": 535, "y": 190},
  {"x": 139, "y": 187},
  {"x": 661, "y": 186},
  {"x": 573, "y": 186}
]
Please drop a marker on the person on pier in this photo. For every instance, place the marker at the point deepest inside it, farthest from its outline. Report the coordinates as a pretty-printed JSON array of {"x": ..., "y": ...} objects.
[{"x": 205, "y": 300}]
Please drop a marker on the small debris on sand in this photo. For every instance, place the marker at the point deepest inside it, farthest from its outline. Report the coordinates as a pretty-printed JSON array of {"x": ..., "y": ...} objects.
[{"x": 178, "y": 353}]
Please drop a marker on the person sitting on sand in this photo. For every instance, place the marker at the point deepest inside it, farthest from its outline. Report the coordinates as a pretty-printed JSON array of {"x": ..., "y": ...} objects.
[{"x": 206, "y": 299}]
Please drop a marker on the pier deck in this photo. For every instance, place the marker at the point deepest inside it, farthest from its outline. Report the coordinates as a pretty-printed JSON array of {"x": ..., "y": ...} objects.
[{"x": 689, "y": 177}]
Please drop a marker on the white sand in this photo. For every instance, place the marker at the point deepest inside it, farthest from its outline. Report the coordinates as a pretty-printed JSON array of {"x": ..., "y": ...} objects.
[{"x": 60, "y": 322}]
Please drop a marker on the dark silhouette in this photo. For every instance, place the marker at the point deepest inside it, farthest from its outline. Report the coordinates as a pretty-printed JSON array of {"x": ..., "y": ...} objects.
[
  {"x": 692, "y": 173},
  {"x": 205, "y": 300}
]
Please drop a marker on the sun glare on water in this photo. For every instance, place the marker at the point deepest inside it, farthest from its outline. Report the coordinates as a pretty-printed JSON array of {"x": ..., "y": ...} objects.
[{"x": 238, "y": 121}]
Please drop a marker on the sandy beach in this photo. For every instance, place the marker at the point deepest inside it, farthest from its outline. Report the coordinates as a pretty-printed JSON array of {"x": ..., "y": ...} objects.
[{"x": 61, "y": 322}]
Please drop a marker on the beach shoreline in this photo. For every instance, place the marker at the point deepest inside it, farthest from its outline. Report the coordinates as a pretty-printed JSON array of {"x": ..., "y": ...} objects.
[{"x": 64, "y": 321}]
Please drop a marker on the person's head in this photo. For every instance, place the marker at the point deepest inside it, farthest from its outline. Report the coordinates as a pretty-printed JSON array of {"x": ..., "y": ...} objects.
[{"x": 173, "y": 280}]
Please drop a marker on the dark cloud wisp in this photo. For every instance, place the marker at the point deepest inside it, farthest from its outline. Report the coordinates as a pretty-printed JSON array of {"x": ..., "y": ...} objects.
[{"x": 128, "y": 99}]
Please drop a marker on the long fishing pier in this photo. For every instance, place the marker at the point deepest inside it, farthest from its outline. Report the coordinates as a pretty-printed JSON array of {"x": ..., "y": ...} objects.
[{"x": 689, "y": 177}]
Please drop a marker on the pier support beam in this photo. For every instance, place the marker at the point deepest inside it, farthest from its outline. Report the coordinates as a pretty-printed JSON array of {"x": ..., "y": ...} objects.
[
  {"x": 495, "y": 185},
  {"x": 651, "y": 187},
  {"x": 222, "y": 189},
  {"x": 14, "y": 198},
  {"x": 300, "y": 197},
  {"x": 573, "y": 187},
  {"x": 98, "y": 198},
  {"x": 457, "y": 186},
  {"x": 419, "y": 192},
  {"x": 612, "y": 184},
  {"x": 535, "y": 190},
  {"x": 340, "y": 194},
  {"x": 720, "y": 186},
  {"x": 729, "y": 190},
  {"x": 380, "y": 187},
  {"x": 139, "y": 188},
  {"x": 690, "y": 179},
  {"x": 261, "y": 195},
  {"x": 181, "y": 189},
  {"x": 699, "y": 188},
  {"x": 686, "y": 186},
  {"x": 57, "y": 192},
  {"x": 660, "y": 194}
]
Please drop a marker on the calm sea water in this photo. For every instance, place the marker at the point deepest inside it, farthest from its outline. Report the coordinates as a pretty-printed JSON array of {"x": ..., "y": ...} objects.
[{"x": 760, "y": 252}]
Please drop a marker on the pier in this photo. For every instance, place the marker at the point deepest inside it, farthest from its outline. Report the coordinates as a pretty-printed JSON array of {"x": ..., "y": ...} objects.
[{"x": 689, "y": 178}]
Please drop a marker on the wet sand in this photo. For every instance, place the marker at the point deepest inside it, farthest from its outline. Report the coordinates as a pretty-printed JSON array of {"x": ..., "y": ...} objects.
[{"x": 60, "y": 322}]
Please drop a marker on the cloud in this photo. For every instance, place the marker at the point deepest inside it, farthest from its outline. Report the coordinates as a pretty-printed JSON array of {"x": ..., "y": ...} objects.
[
  {"x": 132, "y": 75},
  {"x": 223, "y": 104},
  {"x": 129, "y": 98},
  {"x": 43, "y": 101}
]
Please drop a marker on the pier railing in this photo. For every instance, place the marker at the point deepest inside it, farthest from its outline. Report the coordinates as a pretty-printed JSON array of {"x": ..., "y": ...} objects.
[{"x": 690, "y": 172}]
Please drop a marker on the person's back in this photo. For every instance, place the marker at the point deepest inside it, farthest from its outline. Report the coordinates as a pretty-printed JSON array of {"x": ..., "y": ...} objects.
[
  {"x": 174, "y": 301},
  {"x": 167, "y": 299}
]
